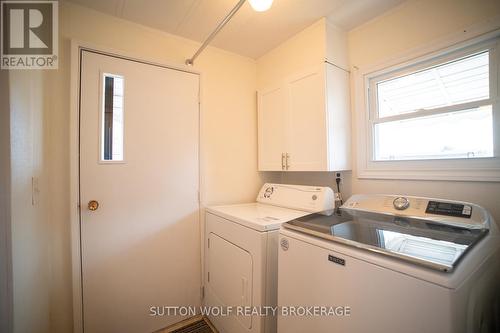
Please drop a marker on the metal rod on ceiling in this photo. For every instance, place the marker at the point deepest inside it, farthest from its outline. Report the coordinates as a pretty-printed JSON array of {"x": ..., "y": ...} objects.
[{"x": 221, "y": 25}]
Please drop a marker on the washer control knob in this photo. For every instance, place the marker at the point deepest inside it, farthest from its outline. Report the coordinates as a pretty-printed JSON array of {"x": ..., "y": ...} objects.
[{"x": 401, "y": 203}]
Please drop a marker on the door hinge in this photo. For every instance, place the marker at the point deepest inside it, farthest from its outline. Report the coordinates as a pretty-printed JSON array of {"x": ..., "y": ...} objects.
[
  {"x": 199, "y": 197},
  {"x": 202, "y": 292},
  {"x": 208, "y": 245},
  {"x": 35, "y": 191},
  {"x": 208, "y": 276}
]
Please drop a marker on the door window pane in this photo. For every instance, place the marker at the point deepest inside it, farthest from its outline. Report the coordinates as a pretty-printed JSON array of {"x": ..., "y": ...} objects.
[
  {"x": 462, "y": 134},
  {"x": 112, "y": 119}
]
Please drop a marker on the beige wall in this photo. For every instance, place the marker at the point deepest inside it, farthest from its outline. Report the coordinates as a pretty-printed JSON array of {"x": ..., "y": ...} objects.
[
  {"x": 229, "y": 143},
  {"x": 414, "y": 25}
]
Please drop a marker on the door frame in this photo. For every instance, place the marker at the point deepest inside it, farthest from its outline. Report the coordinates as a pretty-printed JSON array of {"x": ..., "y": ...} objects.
[{"x": 77, "y": 47}]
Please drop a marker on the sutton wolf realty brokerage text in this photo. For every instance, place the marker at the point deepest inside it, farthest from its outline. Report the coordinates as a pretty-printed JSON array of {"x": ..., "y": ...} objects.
[{"x": 220, "y": 311}]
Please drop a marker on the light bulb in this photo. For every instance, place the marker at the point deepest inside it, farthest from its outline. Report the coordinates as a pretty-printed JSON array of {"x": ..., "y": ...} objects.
[{"x": 260, "y": 5}]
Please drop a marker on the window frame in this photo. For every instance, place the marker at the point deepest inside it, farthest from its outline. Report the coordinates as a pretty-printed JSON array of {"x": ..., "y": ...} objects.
[{"x": 466, "y": 169}]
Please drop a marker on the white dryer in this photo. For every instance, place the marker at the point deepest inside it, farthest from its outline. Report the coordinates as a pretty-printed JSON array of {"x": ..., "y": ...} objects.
[
  {"x": 241, "y": 250},
  {"x": 398, "y": 264}
]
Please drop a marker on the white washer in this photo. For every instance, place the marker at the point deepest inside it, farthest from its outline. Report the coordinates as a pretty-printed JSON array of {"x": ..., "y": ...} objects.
[
  {"x": 397, "y": 264},
  {"x": 241, "y": 250}
]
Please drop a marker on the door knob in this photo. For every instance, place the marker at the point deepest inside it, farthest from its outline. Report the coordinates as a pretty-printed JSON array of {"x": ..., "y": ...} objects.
[{"x": 93, "y": 205}]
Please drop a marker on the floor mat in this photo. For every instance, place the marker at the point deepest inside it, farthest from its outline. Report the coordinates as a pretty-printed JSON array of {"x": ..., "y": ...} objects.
[{"x": 197, "y": 327}]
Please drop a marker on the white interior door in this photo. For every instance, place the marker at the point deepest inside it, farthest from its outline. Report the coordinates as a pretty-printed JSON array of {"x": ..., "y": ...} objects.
[{"x": 139, "y": 136}]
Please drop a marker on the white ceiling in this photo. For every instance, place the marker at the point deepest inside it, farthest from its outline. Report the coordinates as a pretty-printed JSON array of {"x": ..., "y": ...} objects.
[{"x": 249, "y": 33}]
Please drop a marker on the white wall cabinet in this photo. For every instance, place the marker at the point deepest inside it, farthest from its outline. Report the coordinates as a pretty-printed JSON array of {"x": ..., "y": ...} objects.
[
  {"x": 304, "y": 123},
  {"x": 272, "y": 128}
]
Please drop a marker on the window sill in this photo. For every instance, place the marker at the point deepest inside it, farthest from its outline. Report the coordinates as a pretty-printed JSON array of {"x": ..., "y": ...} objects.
[{"x": 475, "y": 175}]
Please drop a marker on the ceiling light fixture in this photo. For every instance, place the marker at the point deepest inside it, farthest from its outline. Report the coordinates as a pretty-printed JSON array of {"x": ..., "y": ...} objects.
[
  {"x": 260, "y": 5},
  {"x": 257, "y": 5}
]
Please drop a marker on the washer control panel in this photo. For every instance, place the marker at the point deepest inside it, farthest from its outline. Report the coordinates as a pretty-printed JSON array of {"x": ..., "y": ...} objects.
[
  {"x": 454, "y": 213},
  {"x": 449, "y": 209}
]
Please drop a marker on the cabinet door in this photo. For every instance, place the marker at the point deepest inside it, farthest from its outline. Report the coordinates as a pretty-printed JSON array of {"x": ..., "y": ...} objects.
[
  {"x": 307, "y": 128},
  {"x": 338, "y": 119},
  {"x": 271, "y": 128}
]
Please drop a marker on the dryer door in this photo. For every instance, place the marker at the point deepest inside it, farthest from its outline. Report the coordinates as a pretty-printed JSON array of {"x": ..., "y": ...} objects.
[{"x": 230, "y": 275}]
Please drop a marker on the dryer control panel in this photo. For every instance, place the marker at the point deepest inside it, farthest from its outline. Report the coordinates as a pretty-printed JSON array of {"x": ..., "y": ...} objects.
[{"x": 314, "y": 199}]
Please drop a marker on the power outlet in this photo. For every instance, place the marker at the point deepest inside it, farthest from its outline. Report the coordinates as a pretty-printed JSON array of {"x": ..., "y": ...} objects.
[{"x": 338, "y": 195}]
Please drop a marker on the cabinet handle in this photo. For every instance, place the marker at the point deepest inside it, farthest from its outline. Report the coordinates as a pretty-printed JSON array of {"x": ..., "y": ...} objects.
[
  {"x": 287, "y": 161},
  {"x": 282, "y": 161}
]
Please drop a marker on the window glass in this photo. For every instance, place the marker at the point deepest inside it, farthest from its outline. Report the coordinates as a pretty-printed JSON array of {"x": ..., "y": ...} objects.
[
  {"x": 456, "y": 82},
  {"x": 462, "y": 134},
  {"x": 112, "y": 119}
]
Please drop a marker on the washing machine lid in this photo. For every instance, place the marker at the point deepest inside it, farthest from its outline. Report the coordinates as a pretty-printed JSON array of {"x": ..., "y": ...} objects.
[
  {"x": 258, "y": 216},
  {"x": 419, "y": 240}
]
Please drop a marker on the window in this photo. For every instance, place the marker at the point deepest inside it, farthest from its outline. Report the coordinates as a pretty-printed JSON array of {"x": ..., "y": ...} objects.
[
  {"x": 440, "y": 112},
  {"x": 112, "y": 118}
]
